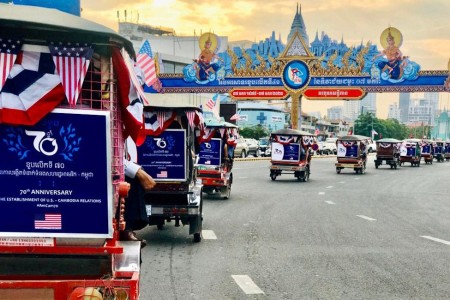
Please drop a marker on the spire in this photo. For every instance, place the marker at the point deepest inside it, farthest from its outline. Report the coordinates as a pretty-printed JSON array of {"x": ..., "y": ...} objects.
[{"x": 298, "y": 25}]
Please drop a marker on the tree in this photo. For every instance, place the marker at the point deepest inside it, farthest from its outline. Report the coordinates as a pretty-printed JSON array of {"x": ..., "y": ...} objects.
[
  {"x": 390, "y": 128},
  {"x": 254, "y": 132}
]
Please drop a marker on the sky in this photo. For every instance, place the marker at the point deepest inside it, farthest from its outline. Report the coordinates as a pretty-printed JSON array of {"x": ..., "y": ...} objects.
[{"x": 424, "y": 24}]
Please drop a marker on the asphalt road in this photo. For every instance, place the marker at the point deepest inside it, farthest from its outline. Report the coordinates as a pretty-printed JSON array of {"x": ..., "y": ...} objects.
[{"x": 381, "y": 235}]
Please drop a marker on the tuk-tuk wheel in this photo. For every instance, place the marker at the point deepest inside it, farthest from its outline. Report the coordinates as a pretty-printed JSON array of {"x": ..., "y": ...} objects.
[
  {"x": 226, "y": 191},
  {"x": 273, "y": 176},
  {"x": 376, "y": 165},
  {"x": 338, "y": 170},
  {"x": 304, "y": 176}
]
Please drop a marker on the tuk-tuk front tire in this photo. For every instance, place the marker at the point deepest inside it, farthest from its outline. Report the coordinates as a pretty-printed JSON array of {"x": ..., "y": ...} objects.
[
  {"x": 197, "y": 237},
  {"x": 273, "y": 175},
  {"x": 338, "y": 170}
]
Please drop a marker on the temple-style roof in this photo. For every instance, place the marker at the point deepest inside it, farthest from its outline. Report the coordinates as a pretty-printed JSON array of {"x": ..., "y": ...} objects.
[{"x": 298, "y": 25}]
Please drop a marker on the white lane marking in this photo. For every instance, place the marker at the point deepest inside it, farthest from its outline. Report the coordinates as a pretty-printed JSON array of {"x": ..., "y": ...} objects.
[
  {"x": 356, "y": 178},
  {"x": 209, "y": 235},
  {"x": 329, "y": 202},
  {"x": 366, "y": 218},
  {"x": 321, "y": 193},
  {"x": 435, "y": 239},
  {"x": 342, "y": 182},
  {"x": 329, "y": 187},
  {"x": 247, "y": 284}
]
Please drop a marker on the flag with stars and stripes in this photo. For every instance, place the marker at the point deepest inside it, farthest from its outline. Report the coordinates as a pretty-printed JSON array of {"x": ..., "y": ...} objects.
[
  {"x": 72, "y": 62},
  {"x": 9, "y": 48},
  {"x": 146, "y": 62}
]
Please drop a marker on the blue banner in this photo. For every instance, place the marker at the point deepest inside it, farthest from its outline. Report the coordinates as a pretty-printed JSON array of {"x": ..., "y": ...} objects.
[
  {"x": 211, "y": 152},
  {"x": 164, "y": 156},
  {"x": 285, "y": 152},
  {"x": 56, "y": 176}
]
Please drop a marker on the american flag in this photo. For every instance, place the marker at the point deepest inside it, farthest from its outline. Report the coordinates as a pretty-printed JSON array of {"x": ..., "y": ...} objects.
[
  {"x": 162, "y": 174},
  {"x": 146, "y": 62},
  {"x": 47, "y": 221},
  {"x": 8, "y": 52},
  {"x": 190, "y": 114},
  {"x": 210, "y": 104},
  {"x": 72, "y": 62}
]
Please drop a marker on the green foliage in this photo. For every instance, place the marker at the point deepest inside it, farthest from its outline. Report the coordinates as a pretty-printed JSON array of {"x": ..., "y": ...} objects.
[
  {"x": 254, "y": 132},
  {"x": 390, "y": 128}
]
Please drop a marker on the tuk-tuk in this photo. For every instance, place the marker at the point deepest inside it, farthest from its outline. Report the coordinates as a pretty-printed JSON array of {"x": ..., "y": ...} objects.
[
  {"x": 439, "y": 151},
  {"x": 352, "y": 153},
  {"x": 447, "y": 150},
  {"x": 410, "y": 152},
  {"x": 216, "y": 157},
  {"x": 388, "y": 150},
  {"x": 169, "y": 155},
  {"x": 291, "y": 153},
  {"x": 427, "y": 150},
  {"x": 62, "y": 160}
]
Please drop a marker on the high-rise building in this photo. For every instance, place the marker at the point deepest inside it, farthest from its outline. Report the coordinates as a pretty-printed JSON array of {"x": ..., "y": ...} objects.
[
  {"x": 335, "y": 113},
  {"x": 394, "y": 112},
  {"x": 403, "y": 105},
  {"x": 369, "y": 104},
  {"x": 351, "y": 110}
]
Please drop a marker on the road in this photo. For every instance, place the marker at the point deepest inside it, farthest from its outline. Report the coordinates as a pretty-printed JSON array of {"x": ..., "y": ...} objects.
[{"x": 381, "y": 235}]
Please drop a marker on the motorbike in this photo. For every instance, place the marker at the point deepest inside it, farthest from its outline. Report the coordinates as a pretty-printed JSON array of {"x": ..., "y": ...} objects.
[
  {"x": 427, "y": 151},
  {"x": 439, "y": 151},
  {"x": 352, "y": 153},
  {"x": 410, "y": 152},
  {"x": 169, "y": 154},
  {"x": 216, "y": 157},
  {"x": 388, "y": 150},
  {"x": 291, "y": 153}
]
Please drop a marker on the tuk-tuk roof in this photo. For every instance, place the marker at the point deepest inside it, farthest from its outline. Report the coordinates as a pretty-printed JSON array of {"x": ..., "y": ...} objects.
[
  {"x": 289, "y": 131},
  {"x": 388, "y": 140},
  {"x": 221, "y": 123},
  {"x": 42, "y": 24},
  {"x": 174, "y": 101},
  {"x": 353, "y": 138},
  {"x": 413, "y": 140}
]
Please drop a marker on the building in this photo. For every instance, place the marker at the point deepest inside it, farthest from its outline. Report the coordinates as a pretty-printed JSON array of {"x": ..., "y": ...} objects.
[
  {"x": 335, "y": 113},
  {"x": 351, "y": 110},
  {"x": 369, "y": 104},
  {"x": 394, "y": 112},
  {"x": 441, "y": 130},
  {"x": 404, "y": 102},
  {"x": 258, "y": 114}
]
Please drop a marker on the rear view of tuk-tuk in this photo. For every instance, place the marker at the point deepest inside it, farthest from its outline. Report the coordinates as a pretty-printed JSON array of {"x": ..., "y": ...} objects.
[
  {"x": 62, "y": 155},
  {"x": 169, "y": 155}
]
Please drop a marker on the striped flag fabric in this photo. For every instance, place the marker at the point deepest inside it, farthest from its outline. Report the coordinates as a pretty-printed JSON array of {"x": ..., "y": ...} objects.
[
  {"x": 47, "y": 221},
  {"x": 131, "y": 103},
  {"x": 234, "y": 117},
  {"x": 146, "y": 62},
  {"x": 210, "y": 104},
  {"x": 32, "y": 90},
  {"x": 8, "y": 53},
  {"x": 190, "y": 114},
  {"x": 72, "y": 62}
]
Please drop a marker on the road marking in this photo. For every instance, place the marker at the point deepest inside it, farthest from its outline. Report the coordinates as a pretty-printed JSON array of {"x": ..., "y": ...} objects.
[
  {"x": 209, "y": 235},
  {"x": 329, "y": 187},
  {"x": 357, "y": 178},
  {"x": 247, "y": 284},
  {"x": 321, "y": 193},
  {"x": 435, "y": 239},
  {"x": 366, "y": 218},
  {"x": 342, "y": 182},
  {"x": 329, "y": 202}
]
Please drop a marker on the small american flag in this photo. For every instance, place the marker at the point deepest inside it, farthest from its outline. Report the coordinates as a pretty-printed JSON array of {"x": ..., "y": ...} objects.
[
  {"x": 146, "y": 62},
  {"x": 47, "y": 221},
  {"x": 8, "y": 53},
  {"x": 72, "y": 62},
  {"x": 210, "y": 104},
  {"x": 162, "y": 174}
]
